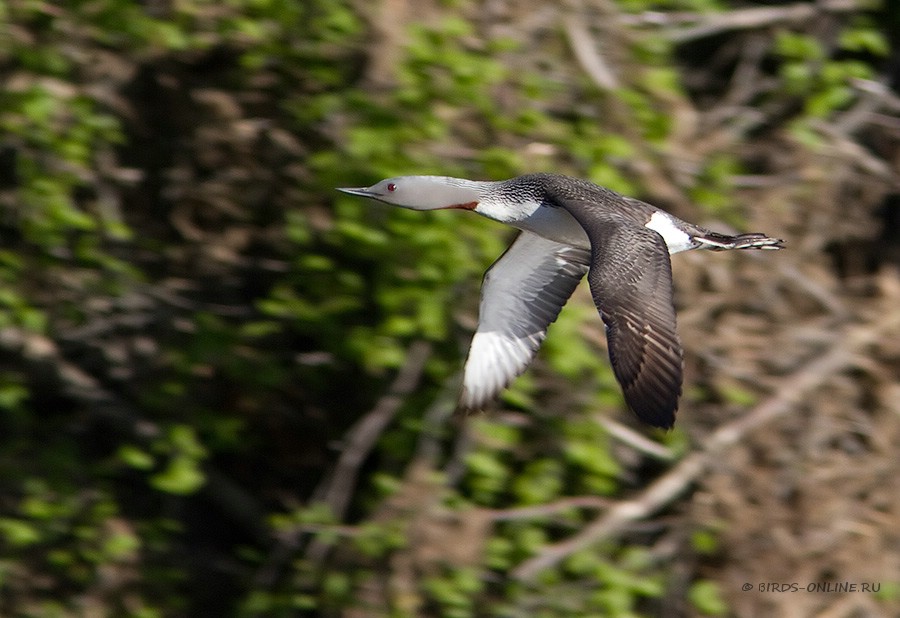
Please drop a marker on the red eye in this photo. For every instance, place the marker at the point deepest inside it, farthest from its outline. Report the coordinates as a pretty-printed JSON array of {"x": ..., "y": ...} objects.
[{"x": 391, "y": 187}]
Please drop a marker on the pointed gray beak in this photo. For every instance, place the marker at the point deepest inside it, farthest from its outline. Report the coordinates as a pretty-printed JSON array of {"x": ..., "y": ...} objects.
[{"x": 361, "y": 191}]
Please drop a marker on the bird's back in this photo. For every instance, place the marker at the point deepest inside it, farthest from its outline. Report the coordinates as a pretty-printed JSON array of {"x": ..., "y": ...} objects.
[{"x": 585, "y": 194}]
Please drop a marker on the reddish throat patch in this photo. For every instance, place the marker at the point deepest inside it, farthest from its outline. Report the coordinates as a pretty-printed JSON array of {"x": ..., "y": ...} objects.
[{"x": 465, "y": 206}]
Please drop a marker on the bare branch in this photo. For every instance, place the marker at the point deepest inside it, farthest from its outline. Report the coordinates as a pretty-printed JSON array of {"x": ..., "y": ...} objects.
[
  {"x": 635, "y": 440},
  {"x": 362, "y": 436},
  {"x": 586, "y": 53},
  {"x": 42, "y": 356},
  {"x": 841, "y": 356},
  {"x": 337, "y": 490},
  {"x": 704, "y": 25}
]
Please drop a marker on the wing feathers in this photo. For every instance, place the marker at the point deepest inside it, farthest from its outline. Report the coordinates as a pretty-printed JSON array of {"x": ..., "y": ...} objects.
[
  {"x": 631, "y": 282},
  {"x": 522, "y": 295}
]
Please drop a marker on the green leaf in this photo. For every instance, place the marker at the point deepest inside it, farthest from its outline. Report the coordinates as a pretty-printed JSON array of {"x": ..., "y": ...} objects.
[
  {"x": 738, "y": 395},
  {"x": 19, "y": 533},
  {"x": 541, "y": 482},
  {"x": 865, "y": 38},
  {"x": 799, "y": 46},
  {"x": 136, "y": 457},
  {"x": 496, "y": 435},
  {"x": 183, "y": 439},
  {"x": 704, "y": 542},
  {"x": 181, "y": 477},
  {"x": 12, "y": 395},
  {"x": 888, "y": 591},
  {"x": 121, "y": 545},
  {"x": 706, "y": 597}
]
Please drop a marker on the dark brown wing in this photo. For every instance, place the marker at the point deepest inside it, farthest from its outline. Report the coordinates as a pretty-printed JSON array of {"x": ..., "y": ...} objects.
[{"x": 631, "y": 282}]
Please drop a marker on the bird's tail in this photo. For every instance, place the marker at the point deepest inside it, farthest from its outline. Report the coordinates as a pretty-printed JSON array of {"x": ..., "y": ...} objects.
[{"x": 722, "y": 242}]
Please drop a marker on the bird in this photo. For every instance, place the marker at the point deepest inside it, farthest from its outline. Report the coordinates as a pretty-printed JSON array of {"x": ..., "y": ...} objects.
[{"x": 570, "y": 227}]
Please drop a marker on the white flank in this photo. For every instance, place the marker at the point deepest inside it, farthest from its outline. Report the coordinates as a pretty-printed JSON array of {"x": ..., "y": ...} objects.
[{"x": 664, "y": 225}]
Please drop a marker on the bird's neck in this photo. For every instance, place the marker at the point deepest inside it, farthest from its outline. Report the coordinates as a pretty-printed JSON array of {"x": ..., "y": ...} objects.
[
  {"x": 503, "y": 202},
  {"x": 517, "y": 202},
  {"x": 505, "y": 211}
]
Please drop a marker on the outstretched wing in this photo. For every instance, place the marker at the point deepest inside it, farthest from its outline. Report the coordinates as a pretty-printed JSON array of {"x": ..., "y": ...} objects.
[
  {"x": 522, "y": 294},
  {"x": 631, "y": 282}
]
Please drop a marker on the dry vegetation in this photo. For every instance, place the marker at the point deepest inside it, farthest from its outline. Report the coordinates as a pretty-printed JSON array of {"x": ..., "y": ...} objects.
[
  {"x": 201, "y": 344},
  {"x": 795, "y": 435}
]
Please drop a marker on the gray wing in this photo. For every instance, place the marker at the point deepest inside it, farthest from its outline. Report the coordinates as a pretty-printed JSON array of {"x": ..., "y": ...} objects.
[
  {"x": 631, "y": 282},
  {"x": 522, "y": 294}
]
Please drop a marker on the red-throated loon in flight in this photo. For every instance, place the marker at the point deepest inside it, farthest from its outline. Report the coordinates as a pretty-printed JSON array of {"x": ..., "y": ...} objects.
[{"x": 571, "y": 227}]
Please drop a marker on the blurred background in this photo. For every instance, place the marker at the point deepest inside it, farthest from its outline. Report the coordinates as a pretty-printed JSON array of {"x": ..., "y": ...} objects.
[{"x": 228, "y": 390}]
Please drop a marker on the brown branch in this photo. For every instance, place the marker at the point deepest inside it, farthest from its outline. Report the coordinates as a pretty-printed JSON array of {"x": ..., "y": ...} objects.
[
  {"x": 337, "y": 490},
  {"x": 362, "y": 436},
  {"x": 841, "y": 355},
  {"x": 704, "y": 25},
  {"x": 436, "y": 416},
  {"x": 853, "y": 151},
  {"x": 586, "y": 53},
  {"x": 636, "y": 440}
]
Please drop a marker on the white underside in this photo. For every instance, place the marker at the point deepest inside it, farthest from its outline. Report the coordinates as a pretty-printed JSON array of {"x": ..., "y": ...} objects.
[
  {"x": 558, "y": 225},
  {"x": 554, "y": 224}
]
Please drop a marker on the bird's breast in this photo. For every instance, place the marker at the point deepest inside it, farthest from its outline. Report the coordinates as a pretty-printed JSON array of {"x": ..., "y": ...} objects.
[{"x": 554, "y": 224}]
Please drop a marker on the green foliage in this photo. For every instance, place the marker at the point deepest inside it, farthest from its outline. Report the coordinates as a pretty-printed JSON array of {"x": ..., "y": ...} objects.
[
  {"x": 734, "y": 393},
  {"x": 587, "y": 448},
  {"x": 605, "y": 582},
  {"x": 714, "y": 192},
  {"x": 69, "y": 537},
  {"x": 376, "y": 540},
  {"x": 889, "y": 591},
  {"x": 675, "y": 5},
  {"x": 822, "y": 79},
  {"x": 540, "y": 482},
  {"x": 455, "y": 592},
  {"x": 705, "y": 541},
  {"x": 181, "y": 474},
  {"x": 488, "y": 477},
  {"x": 707, "y": 598},
  {"x": 206, "y": 317},
  {"x": 362, "y": 281}
]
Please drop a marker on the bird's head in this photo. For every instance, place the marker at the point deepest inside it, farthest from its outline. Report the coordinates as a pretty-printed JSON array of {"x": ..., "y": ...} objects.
[{"x": 421, "y": 192}]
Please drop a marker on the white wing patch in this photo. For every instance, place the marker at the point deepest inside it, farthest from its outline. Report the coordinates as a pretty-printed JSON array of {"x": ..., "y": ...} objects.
[
  {"x": 664, "y": 225},
  {"x": 522, "y": 295},
  {"x": 494, "y": 360}
]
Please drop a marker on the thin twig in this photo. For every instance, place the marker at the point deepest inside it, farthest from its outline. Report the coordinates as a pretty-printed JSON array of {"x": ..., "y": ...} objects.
[
  {"x": 705, "y": 25},
  {"x": 428, "y": 447},
  {"x": 635, "y": 440},
  {"x": 365, "y": 433},
  {"x": 840, "y": 356},
  {"x": 338, "y": 489},
  {"x": 586, "y": 53},
  {"x": 850, "y": 148},
  {"x": 789, "y": 273}
]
